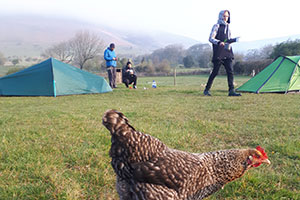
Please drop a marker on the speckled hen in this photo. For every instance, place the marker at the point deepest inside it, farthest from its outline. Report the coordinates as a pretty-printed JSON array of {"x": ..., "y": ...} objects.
[{"x": 147, "y": 169}]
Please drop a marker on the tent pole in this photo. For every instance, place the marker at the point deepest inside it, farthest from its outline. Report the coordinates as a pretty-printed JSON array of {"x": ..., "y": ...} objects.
[
  {"x": 296, "y": 65},
  {"x": 54, "y": 88},
  {"x": 283, "y": 58}
]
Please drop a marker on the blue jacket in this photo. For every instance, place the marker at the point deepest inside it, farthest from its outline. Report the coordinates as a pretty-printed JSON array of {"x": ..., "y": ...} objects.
[{"x": 108, "y": 56}]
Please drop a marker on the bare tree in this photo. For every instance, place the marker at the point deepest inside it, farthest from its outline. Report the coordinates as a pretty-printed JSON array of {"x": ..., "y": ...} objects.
[
  {"x": 61, "y": 51},
  {"x": 85, "y": 46}
]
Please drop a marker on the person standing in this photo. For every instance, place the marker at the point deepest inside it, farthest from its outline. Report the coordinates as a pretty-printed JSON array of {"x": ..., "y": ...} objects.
[
  {"x": 220, "y": 37},
  {"x": 111, "y": 64}
]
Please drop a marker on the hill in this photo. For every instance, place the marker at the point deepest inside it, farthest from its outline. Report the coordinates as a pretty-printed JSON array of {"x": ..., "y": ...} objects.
[
  {"x": 243, "y": 47},
  {"x": 29, "y": 35}
]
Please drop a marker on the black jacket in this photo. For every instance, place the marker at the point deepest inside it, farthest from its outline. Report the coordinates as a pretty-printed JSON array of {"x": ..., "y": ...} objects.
[
  {"x": 127, "y": 75},
  {"x": 219, "y": 52}
]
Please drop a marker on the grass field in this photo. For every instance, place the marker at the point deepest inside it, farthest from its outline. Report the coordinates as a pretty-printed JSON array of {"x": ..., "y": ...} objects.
[{"x": 57, "y": 148}]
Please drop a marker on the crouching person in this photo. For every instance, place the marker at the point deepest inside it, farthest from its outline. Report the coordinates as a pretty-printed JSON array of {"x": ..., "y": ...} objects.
[{"x": 129, "y": 75}]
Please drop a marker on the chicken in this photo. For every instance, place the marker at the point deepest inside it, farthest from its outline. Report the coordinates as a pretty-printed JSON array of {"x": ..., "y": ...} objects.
[{"x": 147, "y": 169}]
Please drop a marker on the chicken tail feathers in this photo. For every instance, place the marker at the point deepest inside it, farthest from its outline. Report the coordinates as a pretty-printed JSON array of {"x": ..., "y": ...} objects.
[{"x": 113, "y": 120}]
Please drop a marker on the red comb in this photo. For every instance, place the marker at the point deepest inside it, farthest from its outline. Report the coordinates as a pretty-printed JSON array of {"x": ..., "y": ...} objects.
[{"x": 262, "y": 151}]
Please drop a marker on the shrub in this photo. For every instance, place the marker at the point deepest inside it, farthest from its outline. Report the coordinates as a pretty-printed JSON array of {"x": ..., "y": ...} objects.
[
  {"x": 246, "y": 67},
  {"x": 163, "y": 67},
  {"x": 14, "y": 70}
]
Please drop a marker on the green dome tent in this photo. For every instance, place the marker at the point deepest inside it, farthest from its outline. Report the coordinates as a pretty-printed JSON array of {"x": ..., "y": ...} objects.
[
  {"x": 52, "y": 78},
  {"x": 282, "y": 75}
]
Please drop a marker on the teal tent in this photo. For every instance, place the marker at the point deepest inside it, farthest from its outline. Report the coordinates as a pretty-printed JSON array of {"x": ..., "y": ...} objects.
[
  {"x": 283, "y": 75},
  {"x": 52, "y": 78}
]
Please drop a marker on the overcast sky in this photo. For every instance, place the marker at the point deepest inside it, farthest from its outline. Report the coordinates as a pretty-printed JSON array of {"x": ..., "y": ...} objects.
[{"x": 250, "y": 19}]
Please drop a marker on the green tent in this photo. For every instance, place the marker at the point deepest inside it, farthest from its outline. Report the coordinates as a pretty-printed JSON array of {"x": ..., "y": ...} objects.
[
  {"x": 282, "y": 75},
  {"x": 52, "y": 78}
]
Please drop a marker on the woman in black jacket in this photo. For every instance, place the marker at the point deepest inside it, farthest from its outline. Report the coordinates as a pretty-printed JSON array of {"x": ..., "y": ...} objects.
[{"x": 220, "y": 37}]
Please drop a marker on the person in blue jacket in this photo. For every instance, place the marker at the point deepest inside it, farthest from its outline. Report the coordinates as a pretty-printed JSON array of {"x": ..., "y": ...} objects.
[{"x": 111, "y": 64}]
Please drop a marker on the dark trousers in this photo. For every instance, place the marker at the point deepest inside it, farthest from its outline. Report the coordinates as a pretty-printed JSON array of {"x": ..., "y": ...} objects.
[
  {"x": 112, "y": 76},
  {"x": 130, "y": 79},
  {"x": 229, "y": 71}
]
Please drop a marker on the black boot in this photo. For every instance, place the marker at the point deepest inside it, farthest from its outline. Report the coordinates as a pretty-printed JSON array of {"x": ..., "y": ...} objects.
[
  {"x": 232, "y": 93},
  {"x": 206, "y": 93}
]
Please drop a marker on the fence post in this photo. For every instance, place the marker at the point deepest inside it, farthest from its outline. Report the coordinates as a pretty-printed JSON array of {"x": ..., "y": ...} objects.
[{"x": 174, "y": 76}]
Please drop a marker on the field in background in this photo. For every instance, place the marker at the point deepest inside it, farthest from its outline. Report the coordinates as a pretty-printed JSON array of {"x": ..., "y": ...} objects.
[
  {"x": 57, "y": 148},
  {"x": 9, "y": 67}
]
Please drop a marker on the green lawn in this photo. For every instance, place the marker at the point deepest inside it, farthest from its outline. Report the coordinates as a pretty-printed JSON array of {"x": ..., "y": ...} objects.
[{"x": 57, "y": 148}]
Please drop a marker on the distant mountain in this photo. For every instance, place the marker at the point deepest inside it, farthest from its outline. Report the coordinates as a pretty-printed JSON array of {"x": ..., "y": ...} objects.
[
  {"x": 30, "y": 35},
  {"x": 243, "y": 47}
]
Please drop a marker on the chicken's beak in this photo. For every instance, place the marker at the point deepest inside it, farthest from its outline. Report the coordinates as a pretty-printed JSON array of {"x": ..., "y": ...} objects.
[{"x": 266, "y": 161}]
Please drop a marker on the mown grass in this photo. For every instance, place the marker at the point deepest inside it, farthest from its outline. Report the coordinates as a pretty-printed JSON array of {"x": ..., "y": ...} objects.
[{"x": 57, "y": 148}]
